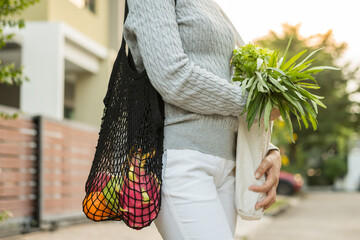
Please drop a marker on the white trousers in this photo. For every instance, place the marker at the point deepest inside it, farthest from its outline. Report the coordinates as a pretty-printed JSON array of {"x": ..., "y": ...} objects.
[{"x": 198, "y": 200}]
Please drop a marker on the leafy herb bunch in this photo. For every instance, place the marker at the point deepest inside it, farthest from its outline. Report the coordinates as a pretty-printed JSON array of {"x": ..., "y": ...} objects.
[{"x": 276, "y": 83}]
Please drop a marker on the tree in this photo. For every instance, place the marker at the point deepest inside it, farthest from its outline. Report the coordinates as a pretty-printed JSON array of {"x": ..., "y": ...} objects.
[
  {"x": 339, "y": 121},
  {"x": 9, "y": 11}
]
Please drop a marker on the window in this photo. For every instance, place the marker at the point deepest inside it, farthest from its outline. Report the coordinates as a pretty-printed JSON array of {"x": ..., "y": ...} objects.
[
  {"x": 89, "y": 4},
  {"x": 10, "y": 95},
  {"x": 69, "y": 100}
]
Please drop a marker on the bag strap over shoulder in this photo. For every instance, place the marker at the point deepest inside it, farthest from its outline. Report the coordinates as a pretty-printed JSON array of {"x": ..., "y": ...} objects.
[
  {"x": 123, "y": 40},
  {"x": 121, "y": 52}
]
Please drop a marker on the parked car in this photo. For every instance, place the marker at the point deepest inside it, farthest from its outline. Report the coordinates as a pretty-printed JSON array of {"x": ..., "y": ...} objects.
[{"x": 289, "y": 183}]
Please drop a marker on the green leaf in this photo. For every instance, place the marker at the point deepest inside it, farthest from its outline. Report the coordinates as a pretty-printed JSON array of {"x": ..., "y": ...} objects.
[
  {"x": 253, "y": 109},
  {"x": 250, "y": 95},
  {"x": 280, "y": 61},
  {"x": 321, "y": 68},
  {"x": 305, "y": 59},
  {"x": 268, "y": 109},
  {"x": 308, "y": 85},
  {"x": 283, "y": 59},
  {"x": 313, "y": 121},
  {"x": 274, "y": 100},
  {"x": 273, "y": 59},
  {"x": 261, "y": 83},
  {"x": 301, "y": 75},
  {"x": 304, "y": 65},
  {"x": 289, "y": 84},
  {"x": 250, "y": 82},
  {"x": 277, "y": 70},
  {"x": 308, "y": 94},
  {"x": 315, "y": 106},
  {"x": 259, "y": 62},
  {"x": 290, "y": 69},
  {"x": 21, "y": 23},
  {"x": 285, "y": 116},
  {"x": 243, "y": 85},
  {"x": 301, "y": 97},
  {"x": 289, "y": 99},
  {"x": 9, "y": 36},
  {"x": 277, "y": 83},
  {"x": 320, "y": 103},
  {"x": 312, "y": 71},
  {"x": 297, "y": 117},
  {"x": 292, "y": 60},
  {"x": 306, "y": 124},
  {"x": 311, "y": 115},
  {"x": 237, "y": 79},
  {"x": 295, "y": 102},
  {"x": 261, "y": 109}
]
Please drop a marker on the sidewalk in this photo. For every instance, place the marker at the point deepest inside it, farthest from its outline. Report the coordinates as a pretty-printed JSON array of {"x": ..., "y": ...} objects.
[
  {"x": 119, "y": 231},
  {"x": 248, "y": 229},
  {"x": 321, "y": 215}
]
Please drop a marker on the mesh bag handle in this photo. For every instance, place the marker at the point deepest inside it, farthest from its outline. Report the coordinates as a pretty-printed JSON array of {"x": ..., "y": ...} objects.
[{"x": 124, "y": 183}]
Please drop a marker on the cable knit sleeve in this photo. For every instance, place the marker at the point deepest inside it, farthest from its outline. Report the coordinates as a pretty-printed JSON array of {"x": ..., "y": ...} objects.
[{"x": 178, "y": 80}]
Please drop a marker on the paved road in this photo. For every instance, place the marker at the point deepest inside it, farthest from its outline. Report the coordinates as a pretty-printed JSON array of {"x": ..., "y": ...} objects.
[
  {"x": 319, "y": 216},
  {"x": 316, "y": 215}
]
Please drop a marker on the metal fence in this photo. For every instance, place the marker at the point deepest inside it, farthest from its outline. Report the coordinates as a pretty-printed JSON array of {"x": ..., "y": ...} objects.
[{"x": 44, "y": 164}]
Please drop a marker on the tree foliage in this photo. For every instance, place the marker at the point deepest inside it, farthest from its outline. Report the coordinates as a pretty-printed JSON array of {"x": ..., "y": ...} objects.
[
  {"x": 341, "y": 119},
  {"x": 9, "y": 11}
]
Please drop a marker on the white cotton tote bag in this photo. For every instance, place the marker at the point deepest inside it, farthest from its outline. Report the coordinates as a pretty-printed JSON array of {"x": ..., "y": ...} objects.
[{"x": 251, "y": 148}]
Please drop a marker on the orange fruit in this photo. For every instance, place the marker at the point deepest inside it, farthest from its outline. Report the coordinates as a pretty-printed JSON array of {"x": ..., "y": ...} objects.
[{"x": 95, "y": 207}]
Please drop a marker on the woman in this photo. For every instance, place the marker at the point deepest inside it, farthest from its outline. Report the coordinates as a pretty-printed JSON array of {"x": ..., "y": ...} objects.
[{"x": 186, "y": 50}]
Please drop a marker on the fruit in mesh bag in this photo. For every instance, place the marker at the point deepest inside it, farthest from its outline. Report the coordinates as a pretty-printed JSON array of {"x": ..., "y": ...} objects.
[
  {"x": 97, "y": 183},
  {"x": 140, "y": 192},
  {"x": 111, "y": 192},
  {"x": 96, "y": 208}
]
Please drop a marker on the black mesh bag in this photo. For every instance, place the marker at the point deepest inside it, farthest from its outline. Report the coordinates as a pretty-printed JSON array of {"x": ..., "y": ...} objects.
[{"x": 125, "y": 179}]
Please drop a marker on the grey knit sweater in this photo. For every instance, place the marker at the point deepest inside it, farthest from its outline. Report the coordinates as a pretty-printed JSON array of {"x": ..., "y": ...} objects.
[{"x": 186, "y": 51}]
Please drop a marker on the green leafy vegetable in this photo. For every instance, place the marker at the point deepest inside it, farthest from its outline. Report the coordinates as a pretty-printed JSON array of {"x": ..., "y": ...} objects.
[{"x": 277, "y": 83}]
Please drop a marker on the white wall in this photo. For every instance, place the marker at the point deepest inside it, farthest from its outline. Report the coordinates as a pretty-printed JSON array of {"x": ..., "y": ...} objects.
[
  {"x": 42, "y": 54},
  {"x": 352, "y": 179}
]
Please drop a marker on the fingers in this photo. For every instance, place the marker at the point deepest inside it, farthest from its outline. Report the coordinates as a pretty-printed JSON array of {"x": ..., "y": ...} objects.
[
  {"x": 272, "y": 178},
  {"x": 274, "y": 157},
  {"x": 269, "y": 200},
  {"x": 269, "y": 183},
  {"x": 270, "y": 165},
  {"x": 265, "y": 164}
]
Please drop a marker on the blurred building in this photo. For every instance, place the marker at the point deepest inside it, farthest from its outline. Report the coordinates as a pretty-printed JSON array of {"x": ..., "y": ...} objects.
[{"x": 67, "y": 49}]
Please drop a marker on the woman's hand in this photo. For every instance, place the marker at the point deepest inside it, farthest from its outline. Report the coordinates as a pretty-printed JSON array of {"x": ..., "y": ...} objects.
[{"x": 271, "y": 166}]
